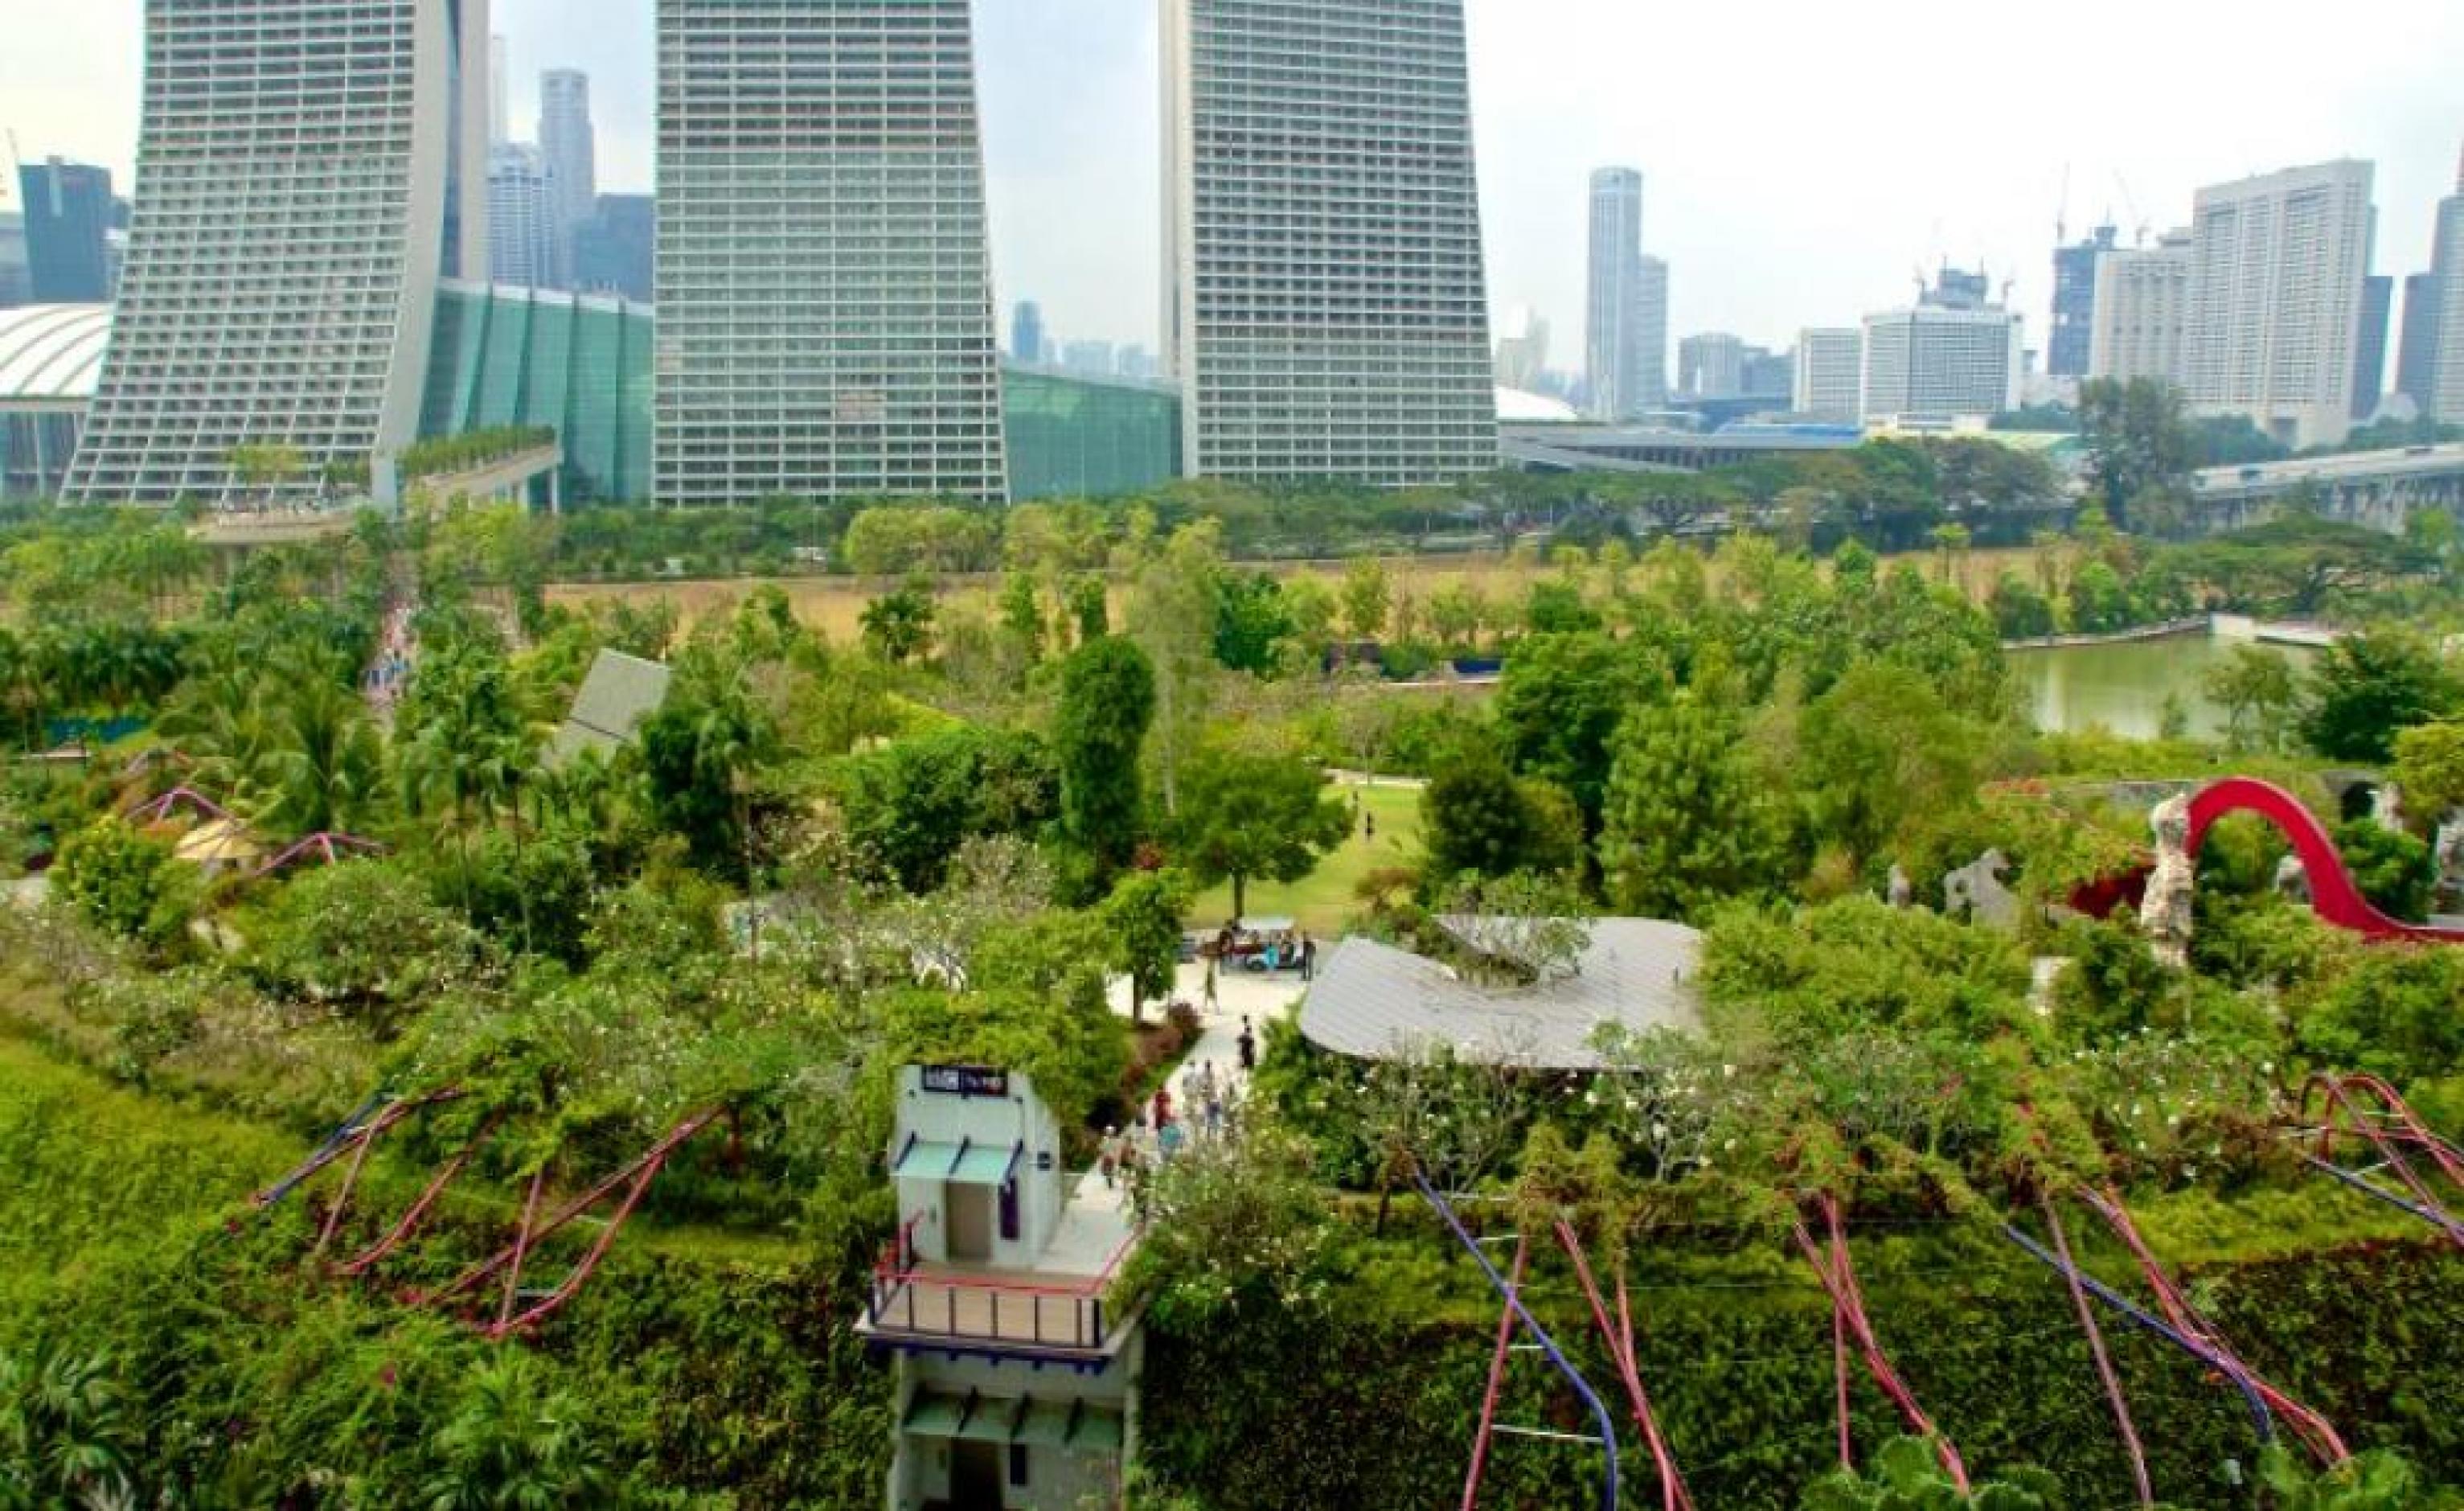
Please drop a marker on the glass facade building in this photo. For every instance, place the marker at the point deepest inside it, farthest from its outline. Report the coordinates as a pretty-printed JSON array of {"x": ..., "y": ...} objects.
[
  {"x": 295, "y": 179},
  {"x": 1072, "y": 437},
  {"x": 67, "y": 210},
  {"x": 1326, "y": 307},
  {"x": 824, "y": 286},
  {"x": 582, "y": 364},
  {"x": 510, "y": 356}
]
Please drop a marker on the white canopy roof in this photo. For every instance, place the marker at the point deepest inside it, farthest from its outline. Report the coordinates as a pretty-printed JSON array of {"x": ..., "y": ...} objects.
[{"x": 49, "y": 354}]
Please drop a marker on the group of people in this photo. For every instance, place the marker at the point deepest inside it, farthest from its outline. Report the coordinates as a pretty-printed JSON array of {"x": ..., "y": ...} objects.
[
  {"x": 1207, "y": 1107},
  {"x": 1282, "y": 951},
  {"x": 390, "y": 669}
]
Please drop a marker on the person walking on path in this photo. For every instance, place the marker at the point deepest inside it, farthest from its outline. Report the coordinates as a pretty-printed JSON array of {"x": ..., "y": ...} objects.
[
  {"x": 1249, "y": 1048},
  {"x": 1212, "y": 1001},
  {"x": 1168, "y": 1142},
  {"x": 1308, "y": 959},
  {"x": 1114, "y": 1149},
  {"x": 1161, "y": 1110}
]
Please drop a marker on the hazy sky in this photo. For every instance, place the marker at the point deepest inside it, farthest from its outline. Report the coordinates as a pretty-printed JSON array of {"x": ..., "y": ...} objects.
[{"x": 1802, "y": 157}]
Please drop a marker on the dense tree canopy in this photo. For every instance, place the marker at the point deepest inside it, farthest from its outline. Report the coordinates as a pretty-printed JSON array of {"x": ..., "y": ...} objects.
[{"x": 1247, "y": 816}]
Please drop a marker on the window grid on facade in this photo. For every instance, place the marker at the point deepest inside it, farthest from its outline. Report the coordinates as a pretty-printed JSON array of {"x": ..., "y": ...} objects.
[
  {"x": 825, "y": 294},
  {"x": 1327, "y": 310},
  {"x": 293, "y": 167}
]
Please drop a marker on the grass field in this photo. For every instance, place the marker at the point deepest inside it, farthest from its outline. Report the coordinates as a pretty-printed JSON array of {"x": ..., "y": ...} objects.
[
  {"x": 1323, "y": 899},
  {"x": 834, "y": 605}
]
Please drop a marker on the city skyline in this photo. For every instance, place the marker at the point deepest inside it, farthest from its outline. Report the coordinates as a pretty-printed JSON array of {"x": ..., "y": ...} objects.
[{"x": 1770, "y": 234}]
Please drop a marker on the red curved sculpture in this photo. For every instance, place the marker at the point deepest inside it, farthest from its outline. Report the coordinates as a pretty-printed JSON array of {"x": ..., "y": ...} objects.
[{"x": 2333, "y": 896}]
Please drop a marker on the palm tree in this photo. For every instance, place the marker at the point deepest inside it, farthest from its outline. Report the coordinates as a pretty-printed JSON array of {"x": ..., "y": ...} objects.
[
  {"x": 64, "y": 1431},
  {"x": 466, "y": 742},
  {"x": 323, "y": 761},
  {"x": 513, "y": 1442}
]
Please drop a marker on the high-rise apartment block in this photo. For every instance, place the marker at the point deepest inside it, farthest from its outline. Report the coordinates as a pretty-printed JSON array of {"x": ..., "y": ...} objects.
[
  {"x": 2278, "y": 268},
  {"x": 525, "y": 219},
  {"x": 2143, "y": 308},
  {"x": 68, "y": 213},
  {"x": 2067, "y": 345},
  {"x": 1326, "y": 308},
  {"x": 301, "y": 170},
  {"x": 1951, "y": 355},
  {"x": 1711, "y": 366},
  {"x": 1615, "y": 350},
  {"x": 1830, "y": 369},
  {"x": 571, "y": 145},
  {"x": 825, "y": 296}
]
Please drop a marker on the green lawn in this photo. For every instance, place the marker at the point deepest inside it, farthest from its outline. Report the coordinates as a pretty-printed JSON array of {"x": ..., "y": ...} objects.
[{"x": 1323, "y": 899}]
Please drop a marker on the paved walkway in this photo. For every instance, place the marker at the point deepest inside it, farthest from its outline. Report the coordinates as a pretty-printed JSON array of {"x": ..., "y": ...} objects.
[{"x": 1262, "y": 997}]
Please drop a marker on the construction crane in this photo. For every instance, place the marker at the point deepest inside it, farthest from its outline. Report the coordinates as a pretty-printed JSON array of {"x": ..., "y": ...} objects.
[{"x": 2139, "y": 224}]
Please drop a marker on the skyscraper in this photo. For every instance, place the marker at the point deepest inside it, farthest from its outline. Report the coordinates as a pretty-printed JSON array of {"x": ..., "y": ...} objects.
[
  {"x": 1651, "y": 328},
  {"x": 1711, "y": 366},
  {"x": 1951, "y": 355},
  {"x": 14, "y": 284},
  {"x": 283, "y": 259},
  {"x": 2446, "y": 271},
  {"x": 1830, "y": 364},
  {"x": 2066, "y": 346},
  {"x": 1613, "y": 343},
  {"x": 1326, "y": 308},
  {"x": 1764, "y": 374},
  {"x": 524, "y": 230},
  {"x": 1026, "y": 332},
  {"x": 501, "y": 109},
  {"x": 68, "y": 210},
  {"x": 2142, "y": 309},
  {"x": 2370, "y": 346},
  {"x": 825, "y": 296},
  {"x": 2277, "y": 267},
  {"x": 2416, "y": 367},
  {"x": 571, "y": 145},
  {"x": 612, "y": 252},
  {"x": 1521, "y": 349}
]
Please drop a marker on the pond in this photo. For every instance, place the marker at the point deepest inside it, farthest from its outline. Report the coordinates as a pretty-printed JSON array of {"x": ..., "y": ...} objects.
[{"x": 2068, "y": 689}]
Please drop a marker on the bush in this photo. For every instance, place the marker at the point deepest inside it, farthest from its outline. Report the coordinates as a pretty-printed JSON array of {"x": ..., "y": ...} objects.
[
  {"x": 364, "y": 937},
  {"x": 2395, "y": 871},
  {"x": 127, "y": 883}
]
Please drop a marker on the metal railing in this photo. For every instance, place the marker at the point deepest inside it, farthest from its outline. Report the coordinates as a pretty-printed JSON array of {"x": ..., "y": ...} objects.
[{"x": 908, "y": 1300}]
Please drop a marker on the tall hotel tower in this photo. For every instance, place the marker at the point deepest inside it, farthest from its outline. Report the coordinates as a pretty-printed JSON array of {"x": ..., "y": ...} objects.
[
  {"x": 1612, "y": 348},
  {"x": 824, "y": 291},
  {"x": 305, "y": 171},
  {"x": 1325, "y": 308}
]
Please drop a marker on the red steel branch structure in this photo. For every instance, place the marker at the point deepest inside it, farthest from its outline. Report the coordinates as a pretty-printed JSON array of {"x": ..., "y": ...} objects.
[
  {"x": 2181, "y": 1324},
  {"x": 1837, "y": 1273},
  {"x": 516, "y": 1309},
  {"x": 2365, "y": 1111}
]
